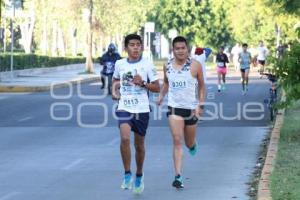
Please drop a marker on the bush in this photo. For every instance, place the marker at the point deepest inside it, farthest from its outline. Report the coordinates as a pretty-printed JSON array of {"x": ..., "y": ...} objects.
[
  {"x": 28, "y": 61},
  {"x": 288, "y": 72}
]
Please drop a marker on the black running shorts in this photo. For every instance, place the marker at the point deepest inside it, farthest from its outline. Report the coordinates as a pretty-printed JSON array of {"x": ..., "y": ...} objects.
[{"x": 187, "y": 114}]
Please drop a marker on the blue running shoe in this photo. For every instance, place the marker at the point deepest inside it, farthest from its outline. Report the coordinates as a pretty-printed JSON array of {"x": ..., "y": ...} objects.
[
  {"x": 178, "y": 183},
  {"x": 193, "y": 150},
  {"x": 223, "y": 87},
  {"x": 243, "y": 92},
  {"x": 127, "y": 182},
  {"x": 138, "y": 187}
]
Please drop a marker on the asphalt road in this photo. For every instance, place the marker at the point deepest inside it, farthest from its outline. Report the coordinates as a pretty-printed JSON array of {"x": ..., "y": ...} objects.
[{"x": 64, "y": 145}]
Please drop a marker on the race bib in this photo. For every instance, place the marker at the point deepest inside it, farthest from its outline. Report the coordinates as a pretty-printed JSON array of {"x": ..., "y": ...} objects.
[
  {"x": 179, "y": 84},
  {"x": 130, "y": 102},
  {"x": 221, "y": 64},
  {"x": 133, "y": 102},
  {"x": 109, "y": 67}
]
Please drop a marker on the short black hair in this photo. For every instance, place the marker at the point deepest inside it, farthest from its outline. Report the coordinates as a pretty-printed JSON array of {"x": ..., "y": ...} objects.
[
  {"x": 245, "y": 45},
  {"x": 132, "y": 37},
  {"x": 179, "y": 39}
]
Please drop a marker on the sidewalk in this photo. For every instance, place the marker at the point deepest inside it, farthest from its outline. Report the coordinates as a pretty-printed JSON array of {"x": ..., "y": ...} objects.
[{"x": 42, "y": 80}]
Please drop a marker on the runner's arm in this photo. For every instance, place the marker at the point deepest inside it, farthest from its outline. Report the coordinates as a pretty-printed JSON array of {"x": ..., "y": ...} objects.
[
  {"x": 164, "y": 89},
  {"x": 116, "y": 84},
  {"x": 240, "y": 59},
  {"x": 201, "y": 84},
  {"x": 165, "y": 86},
  {"x": 153, "y": 86},
  {"x": 152, "y": 77},
  {"x": 226, "y": 59},
  {"x": 115, "y": 89}
]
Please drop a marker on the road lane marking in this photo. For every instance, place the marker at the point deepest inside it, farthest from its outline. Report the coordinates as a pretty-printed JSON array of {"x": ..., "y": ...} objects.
[
  {"x": 71, "y": 165},
  {"x": 9, "y": 195},
  {"x": 25, "y": 119},
  {"x": 114, "y": 142}
]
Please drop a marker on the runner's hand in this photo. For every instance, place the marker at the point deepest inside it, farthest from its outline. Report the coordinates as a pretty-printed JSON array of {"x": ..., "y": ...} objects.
[
  {"x": 159, "y": 100},
  {"x": 115, "y": 95},
  {"x": 198, "y": 112},
  {"x": 137, "y": 80}
]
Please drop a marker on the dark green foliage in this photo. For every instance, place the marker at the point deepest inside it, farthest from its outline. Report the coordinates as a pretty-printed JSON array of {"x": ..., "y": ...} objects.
[
  {"x": 290, "y": 6},
  {"x": 27, "y": 61},
  {"x": 201, "y": 22},
  {"x": 288, "y": 71}
]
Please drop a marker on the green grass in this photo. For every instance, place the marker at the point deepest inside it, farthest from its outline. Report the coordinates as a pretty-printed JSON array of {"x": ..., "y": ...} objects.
[{"x": 285, "y": 179}]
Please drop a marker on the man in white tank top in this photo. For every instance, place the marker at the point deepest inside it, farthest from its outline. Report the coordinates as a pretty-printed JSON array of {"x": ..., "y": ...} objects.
[{"x": 183, "y": 80}]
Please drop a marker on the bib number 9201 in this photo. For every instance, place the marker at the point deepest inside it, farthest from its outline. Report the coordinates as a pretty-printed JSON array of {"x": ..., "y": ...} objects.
[
  {"x": 179, "y": 84},
  {"x": 130, "y": 102}
]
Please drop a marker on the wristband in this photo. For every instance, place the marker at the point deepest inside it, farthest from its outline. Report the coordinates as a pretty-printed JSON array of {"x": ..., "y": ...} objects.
[{"x": 144, "y": 83}]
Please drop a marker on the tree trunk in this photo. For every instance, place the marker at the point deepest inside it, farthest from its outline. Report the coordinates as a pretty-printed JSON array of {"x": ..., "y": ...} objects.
[
  {"x": 4, "y": 34},
  {"x": 74, "y": 41},
  {"x": 89, "y": 61},
  {"x": 30, "y": 33},
  {"x": 27, "y": 32},
  {"x": 54, "y": 39},
  {"x": 107, "y": 41},
  {"x": 95, "y": 48},
  {"x": 44, "y": 42},
  {"x": 61, "y": 44},
  {"x": 119, "y": 43},
  {"x": 101, "y": 45}
]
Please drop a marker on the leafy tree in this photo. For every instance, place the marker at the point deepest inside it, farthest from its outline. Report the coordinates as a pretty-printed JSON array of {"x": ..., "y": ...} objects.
[
  {"x": 289, "y": 6},
  {"x": 220, "y": 30},
  {"x": 287, "y": 69},
  {"x": 2, "y": 5},
  {"x": 195, "y": 20}
]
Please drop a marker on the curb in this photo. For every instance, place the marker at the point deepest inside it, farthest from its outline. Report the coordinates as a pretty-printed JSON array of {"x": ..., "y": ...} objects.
[
  {"x": 264, "y": 192},
  {"x": 17, "y": 89}
]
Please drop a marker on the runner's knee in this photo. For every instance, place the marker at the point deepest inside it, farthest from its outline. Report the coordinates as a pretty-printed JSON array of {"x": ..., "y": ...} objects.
[
  {"x": 177, "y": 141},
  {"x": 139, "y": 147}
]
